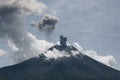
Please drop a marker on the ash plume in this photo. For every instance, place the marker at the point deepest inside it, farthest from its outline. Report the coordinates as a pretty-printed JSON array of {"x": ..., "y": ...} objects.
[
  {"x": 12, "y": 16},
  {"x": 47, "y": 23}
]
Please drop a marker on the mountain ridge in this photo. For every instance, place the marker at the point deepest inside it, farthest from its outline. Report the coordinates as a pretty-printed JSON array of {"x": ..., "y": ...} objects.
[{"x": 77, "y": 68}]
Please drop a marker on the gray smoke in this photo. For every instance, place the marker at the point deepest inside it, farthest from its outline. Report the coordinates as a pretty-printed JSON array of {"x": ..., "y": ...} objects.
[
  {"x": 47, "y": 23},
  {"x": 12, "y": 18}
]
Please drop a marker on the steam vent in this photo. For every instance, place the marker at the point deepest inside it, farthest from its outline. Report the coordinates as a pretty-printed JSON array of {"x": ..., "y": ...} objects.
[{"x": 63, "y": 45}]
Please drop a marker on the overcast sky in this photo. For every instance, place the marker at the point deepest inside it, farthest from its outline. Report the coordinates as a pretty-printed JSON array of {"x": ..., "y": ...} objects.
[{"x": 95, "y": 24}]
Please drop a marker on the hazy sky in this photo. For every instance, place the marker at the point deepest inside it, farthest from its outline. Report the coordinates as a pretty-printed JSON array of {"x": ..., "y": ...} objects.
[{"x": 95, "y": 24}]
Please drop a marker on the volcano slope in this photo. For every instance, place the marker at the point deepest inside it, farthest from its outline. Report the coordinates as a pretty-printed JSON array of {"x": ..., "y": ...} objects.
[{"x": 74, "y": 67}]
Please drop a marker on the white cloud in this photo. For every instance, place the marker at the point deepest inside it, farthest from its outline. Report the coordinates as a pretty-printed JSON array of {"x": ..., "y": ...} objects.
[
  {"x": 2, "y": 52},
  {"x": 12, "y": 46},
  {"x": 107, "y": 60},
  {"x": 40, "y": 45}
]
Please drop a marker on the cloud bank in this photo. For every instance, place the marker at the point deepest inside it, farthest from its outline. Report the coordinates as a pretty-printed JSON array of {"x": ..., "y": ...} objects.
[{"x": 107, "y": 60}]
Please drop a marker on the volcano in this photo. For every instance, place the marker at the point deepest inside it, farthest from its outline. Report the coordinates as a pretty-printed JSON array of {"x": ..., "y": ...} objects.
[{"x": 74, "y": 67}]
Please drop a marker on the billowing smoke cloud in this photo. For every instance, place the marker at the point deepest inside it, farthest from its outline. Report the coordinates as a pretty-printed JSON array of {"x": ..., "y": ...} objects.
[
  {"x": 108, "y": 60},
  {"x": 21, "y": 6},
  {"x": 2, "y": 52},
  {"x": 40, "y": 45},
  {"x": 46, "y": 24},
  {"x": 12, "y": 13}
]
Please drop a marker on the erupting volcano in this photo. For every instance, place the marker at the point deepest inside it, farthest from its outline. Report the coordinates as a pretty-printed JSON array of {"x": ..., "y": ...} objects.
[{"x": 69, "y": 67}]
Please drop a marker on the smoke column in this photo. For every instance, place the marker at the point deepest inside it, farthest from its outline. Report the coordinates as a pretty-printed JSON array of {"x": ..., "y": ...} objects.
[{"x": 12, "y": 18}]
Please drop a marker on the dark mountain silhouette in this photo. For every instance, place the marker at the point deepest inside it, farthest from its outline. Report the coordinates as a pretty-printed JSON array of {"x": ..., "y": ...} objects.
[{"x": 79, "y": 67}]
